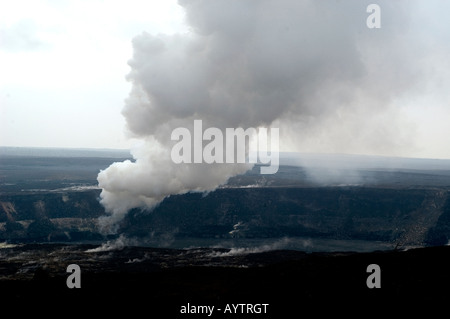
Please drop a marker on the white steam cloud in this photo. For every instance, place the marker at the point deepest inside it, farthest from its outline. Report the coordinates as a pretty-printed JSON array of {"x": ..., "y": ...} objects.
[{"x": 311, "y": 68}]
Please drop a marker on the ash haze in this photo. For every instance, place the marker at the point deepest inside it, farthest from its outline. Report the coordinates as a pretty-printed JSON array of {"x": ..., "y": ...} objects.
[{"x": 310, "y": 68}]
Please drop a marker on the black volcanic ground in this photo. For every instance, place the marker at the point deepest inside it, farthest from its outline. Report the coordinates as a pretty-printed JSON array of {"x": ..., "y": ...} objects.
[
  {"x": 136, "y": 279},
  {"x": 49, "y": 207}
]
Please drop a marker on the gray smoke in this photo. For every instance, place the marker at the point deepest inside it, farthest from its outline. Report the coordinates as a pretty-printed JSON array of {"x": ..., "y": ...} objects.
[{"x": 311, "y": 68}]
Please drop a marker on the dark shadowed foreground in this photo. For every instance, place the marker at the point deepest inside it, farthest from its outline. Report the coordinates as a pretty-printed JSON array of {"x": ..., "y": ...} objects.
[
  {"x": 49, "y": 210},
  {"x": 158, "y": 282}
]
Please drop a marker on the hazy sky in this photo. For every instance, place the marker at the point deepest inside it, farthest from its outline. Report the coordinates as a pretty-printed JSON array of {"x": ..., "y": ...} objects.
[
  {"x": 63, "y": 66},
  {"x": 341, "y": 87}
]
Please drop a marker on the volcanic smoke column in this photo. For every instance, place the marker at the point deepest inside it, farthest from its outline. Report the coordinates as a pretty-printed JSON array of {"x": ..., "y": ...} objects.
[{"x": 308, "y": 67}]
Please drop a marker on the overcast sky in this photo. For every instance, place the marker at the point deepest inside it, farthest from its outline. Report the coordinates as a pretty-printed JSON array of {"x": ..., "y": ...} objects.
[{"x": 63, "y": 68}]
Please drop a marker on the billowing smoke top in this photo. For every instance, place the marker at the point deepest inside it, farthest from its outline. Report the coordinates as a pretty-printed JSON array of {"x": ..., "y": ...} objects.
[{"x": 311, "y": 68}]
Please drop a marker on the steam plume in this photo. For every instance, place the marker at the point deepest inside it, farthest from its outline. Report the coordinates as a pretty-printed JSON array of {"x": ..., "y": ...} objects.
[{"x": 312, "y": 68}]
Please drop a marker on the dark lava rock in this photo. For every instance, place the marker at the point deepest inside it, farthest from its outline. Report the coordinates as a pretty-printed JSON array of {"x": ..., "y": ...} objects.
[{"x": 142, "y": 280}]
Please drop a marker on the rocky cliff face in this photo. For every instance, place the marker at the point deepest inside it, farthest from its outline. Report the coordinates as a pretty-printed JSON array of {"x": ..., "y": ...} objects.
[
  {"x": 56, "y": 199},
  {"x": 401, "y": 216},
  {"x": 50, "y": 216}
]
